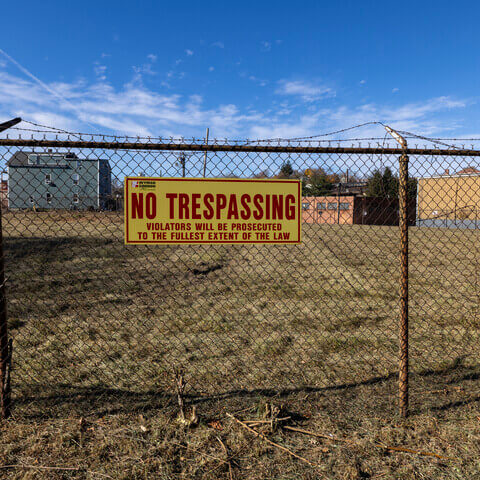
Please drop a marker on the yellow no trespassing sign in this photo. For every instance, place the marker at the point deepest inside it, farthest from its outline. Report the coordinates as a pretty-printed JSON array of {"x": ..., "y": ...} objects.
[{"x": 205, "y": 211}]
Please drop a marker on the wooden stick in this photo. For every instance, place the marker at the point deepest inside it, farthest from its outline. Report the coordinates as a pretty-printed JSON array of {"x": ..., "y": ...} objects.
[
  {"x": 378, "y": 445},
  {"x": 263, "y": 437},
  {"x": 313, "y": 434},
  {"x": 188, "y": 447},
  {"x": 230, "y": 470},
  {"x": 410, "y": 450},
  {"x": 267, "y": 421}
]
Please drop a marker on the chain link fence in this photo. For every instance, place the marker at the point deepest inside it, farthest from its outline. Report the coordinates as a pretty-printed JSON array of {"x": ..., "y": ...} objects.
[{"x": 93, "y": 320}]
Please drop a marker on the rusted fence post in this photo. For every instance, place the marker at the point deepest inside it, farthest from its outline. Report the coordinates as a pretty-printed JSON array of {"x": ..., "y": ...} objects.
[
  {"x": 403, "y": 223},
  {"x": 5, "y": 344}
]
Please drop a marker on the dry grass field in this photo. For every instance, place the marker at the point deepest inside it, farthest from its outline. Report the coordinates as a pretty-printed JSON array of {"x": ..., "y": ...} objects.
[{"x": 99, "y": 329}]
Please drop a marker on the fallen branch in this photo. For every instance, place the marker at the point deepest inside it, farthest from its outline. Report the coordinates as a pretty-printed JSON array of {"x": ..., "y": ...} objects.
[
  {"x": 188, "y": 447},
  {"x": 230, "y": 469},
  {"x": 250, "y": 422},
  {"x": 263, "y": 437},
  {"x": 378, "y": 445},
  {"x": 314, "y": 434},
  {"x": 410, "y": 450}
]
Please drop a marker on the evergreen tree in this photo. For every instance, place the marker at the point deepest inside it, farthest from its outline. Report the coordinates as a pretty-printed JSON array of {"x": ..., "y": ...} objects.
[
  {"x": 385, "y": 185},
  {"x": 286, "y": 170}
]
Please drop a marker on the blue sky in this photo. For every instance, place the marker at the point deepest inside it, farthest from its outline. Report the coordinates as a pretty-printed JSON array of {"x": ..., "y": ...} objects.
[{"x": 244, "y": 69}]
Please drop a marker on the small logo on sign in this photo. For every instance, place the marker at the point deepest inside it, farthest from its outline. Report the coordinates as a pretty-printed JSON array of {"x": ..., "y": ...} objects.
[{"x": 134, "y": 183}]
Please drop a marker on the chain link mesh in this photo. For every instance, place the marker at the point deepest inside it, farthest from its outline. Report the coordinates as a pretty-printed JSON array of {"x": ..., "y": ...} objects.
[{"x": 92, "y": 318}]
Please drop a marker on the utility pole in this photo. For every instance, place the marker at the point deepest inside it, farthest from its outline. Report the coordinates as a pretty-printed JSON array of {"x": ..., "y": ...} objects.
[
  {"x": 339, "y": 191},
  {"x": 205, "y": 157},
  {"x": 403, "y": 223},
  {"x": 182, "y": 163}
]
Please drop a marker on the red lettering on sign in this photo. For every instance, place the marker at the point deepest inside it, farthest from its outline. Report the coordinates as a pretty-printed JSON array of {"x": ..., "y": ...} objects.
[
  {"x": 221, "y": 204},
  {"x": 257, "y": 201},
  {"x": 232, "y": 207},
  {"x": 290, "y": 207},
  {"x": 245, "y": 200},
  {"x": 196, "y": 206},
  {"x": 277, "y": 207},
  {"x": 208, "y": 200},
  {"x": 171, "y": 197},
  {"x": 137, "y": 205},
  {"x": 183, "y": 206},
  {"x": 151, "y": 205}
]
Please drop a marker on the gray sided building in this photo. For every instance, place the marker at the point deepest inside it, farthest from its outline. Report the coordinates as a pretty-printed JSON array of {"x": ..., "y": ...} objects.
[{"x": 58, "y": 181}]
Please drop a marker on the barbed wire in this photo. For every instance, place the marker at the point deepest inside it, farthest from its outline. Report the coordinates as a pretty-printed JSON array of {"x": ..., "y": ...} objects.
[
  {"x": 47, "y": 129},
  {"x": 311, "y": 137},
  {"x": 428, "y": 139}
]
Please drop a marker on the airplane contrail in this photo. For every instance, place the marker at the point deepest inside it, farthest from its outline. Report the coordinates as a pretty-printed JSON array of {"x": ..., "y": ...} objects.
[{"x": 44, "y": 85}]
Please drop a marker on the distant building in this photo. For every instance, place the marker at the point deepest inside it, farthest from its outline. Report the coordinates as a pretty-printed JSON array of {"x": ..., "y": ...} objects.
[
  {"x": 4, "y": 192},
  {"x": 450, "y": 200},
  {"x": 349, "y": 188},
  {"x": 58, "y": 181},
  {"x": 353, "y": 210}
]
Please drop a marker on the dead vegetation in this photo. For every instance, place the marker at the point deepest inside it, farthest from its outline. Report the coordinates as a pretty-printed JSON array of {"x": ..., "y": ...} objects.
[{"x": 114, "y": 344}]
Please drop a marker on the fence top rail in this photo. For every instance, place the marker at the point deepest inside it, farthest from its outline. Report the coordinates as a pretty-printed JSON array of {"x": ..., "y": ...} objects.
[{"x": 193, "y": 147}]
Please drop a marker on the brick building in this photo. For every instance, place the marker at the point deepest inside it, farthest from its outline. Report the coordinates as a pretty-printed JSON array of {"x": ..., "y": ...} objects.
[
  {"x": 330, "y": 209},
  {"x": 353, "y": 210}
]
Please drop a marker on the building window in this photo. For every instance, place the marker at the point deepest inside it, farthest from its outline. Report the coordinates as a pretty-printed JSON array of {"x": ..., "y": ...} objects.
[
  {"x": 344, "y": 206},
  {"x": 33, "y": 159},
  {"x": 76, "y": 178},
  {"x": 75, "y": 198},
  {"x": 306, "y": 206},
  {"x": 49, "y": 197},
  {"x": 32, "y": 200},
  {"x": 332, "y": 206},
  {"x": 48, "y": 179},
  {"x": 321, "y": 206}
]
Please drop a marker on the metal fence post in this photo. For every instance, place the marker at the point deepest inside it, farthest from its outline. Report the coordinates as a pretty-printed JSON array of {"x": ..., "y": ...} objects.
[
  {"x": 403, "y": 223},
  {"x": 5, "y": 344}
]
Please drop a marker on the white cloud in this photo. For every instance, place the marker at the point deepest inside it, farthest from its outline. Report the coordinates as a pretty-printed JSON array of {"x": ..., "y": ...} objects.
[
  {"x": 218, "y": 44},
  {"x": 307, "y": 91},
  {"x": 135, "y": 109},
  {"x": 257, "y": 80},
  {"x": 266, "y": 46},
  {"x": 395, "y": 90},
  {"x": 211, "y": 69},
  {"x": 363, "y": 82},
  {"x": 189, "y": 52},
  {"x": 145, "y": 69},
  {"x": 132, "y": 109},
  {"x": 152, "y": 57},
  {"x": 100, "y": 71}
]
